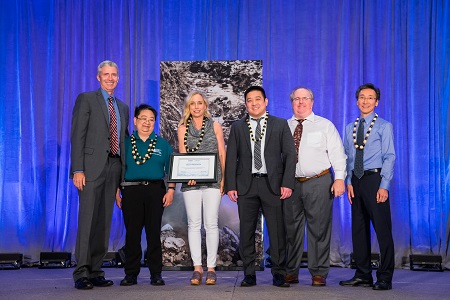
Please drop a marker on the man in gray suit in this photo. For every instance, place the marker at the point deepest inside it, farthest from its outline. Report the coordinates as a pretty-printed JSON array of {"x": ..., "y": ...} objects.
[
  {"x": 259, "y": 173},
  {"x": 99, "y": 125}
]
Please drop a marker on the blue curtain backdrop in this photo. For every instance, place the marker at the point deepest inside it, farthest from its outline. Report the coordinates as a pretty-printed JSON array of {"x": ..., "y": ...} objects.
[{"x": 50, "y": 51}]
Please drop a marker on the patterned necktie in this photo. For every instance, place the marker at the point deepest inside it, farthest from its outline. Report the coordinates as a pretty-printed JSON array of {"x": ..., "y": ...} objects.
[
  {"x": 298, "y": 135},
  {"x": 114, "y": 139},
  {"x": 358, "y": 169},
  {"x": 257, "y": 149}
]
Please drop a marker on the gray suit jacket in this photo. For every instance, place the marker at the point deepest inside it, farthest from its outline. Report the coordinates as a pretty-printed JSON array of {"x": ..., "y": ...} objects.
[
  {"x": 279, "y": 154},
  {"x": 90, "y": 133}
]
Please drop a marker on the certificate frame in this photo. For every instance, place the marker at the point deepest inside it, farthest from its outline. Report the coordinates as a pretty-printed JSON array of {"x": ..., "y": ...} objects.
[{"x": 201, "y": 167}]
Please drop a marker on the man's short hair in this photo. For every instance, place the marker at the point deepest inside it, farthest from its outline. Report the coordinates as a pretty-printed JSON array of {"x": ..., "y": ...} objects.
[
  {"x": 142, "y": 107},
  {"x": 291, "y": 96},
  {"x": 107, "y": 63},
  {"x": 255, "y": 88},
  {"x": 368, "y": 86}
]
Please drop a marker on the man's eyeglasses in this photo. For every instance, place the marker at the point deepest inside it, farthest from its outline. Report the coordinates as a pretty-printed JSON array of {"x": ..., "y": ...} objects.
[
  {"x": 362, "y": 98},
  {"x": 297, "y": 99},
  {"x": 145, "y": 120}
]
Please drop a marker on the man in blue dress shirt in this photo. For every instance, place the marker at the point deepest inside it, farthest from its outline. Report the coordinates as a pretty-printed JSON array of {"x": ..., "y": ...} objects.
[{"x": 369, "y": 146}]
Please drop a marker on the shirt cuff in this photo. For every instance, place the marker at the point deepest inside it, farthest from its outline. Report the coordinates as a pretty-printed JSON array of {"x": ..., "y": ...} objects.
[
  {"x": 384, "y": 184},
  {"x": 339, "y": 175}
]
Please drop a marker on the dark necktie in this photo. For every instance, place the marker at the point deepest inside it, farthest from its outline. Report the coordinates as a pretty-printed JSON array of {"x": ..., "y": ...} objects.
[
  {"x": 257, "y": 149},
  {"x": 358, "y": 169},
  {"x": 113, "y": 137},
  {"x": 298, "y": 135}
]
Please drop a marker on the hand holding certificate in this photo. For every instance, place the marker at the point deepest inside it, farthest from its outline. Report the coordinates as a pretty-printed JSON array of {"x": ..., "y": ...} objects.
[{"x": 201, "y": 167}]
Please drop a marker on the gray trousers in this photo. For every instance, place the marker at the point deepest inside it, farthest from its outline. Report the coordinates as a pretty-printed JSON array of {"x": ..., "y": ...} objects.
[
  {"x": 311, "y": 204},
  {"x": 94, "y": 220}
]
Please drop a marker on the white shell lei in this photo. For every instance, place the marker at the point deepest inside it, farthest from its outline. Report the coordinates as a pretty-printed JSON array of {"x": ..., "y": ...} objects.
[
  {"x": 367, "y": 133},
  {"x": 135, "y": 153},
  {"x": 263, "y": 131}
]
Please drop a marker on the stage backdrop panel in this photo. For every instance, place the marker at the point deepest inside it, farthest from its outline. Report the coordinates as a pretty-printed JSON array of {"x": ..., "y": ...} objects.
[{"x": 223, "y": 83}]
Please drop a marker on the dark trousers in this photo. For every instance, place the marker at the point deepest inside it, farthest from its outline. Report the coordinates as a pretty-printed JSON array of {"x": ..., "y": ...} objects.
[
  {"x": 94, "y": 220},
  {"x": 142, "y": 207},
  {"x": 260, "y": 196},
  {"x": 364, "y": 210}
]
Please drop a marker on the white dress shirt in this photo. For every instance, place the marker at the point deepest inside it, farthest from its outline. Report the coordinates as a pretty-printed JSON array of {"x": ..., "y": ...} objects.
[{"x": 320, "y": 148}]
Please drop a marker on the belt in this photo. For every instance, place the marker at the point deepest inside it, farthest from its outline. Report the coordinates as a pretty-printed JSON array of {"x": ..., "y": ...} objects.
[
  {"x": 143, "y": 182},
  {"x": 303, "y": 179},
  {"x": 372, "y": 171},
  {"x": 113, "y": 155},
  {"x": 259, "y": 175}
]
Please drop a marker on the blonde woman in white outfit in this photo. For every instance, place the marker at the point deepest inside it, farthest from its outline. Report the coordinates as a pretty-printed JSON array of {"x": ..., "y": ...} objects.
[{"x": 198, "y": 133}]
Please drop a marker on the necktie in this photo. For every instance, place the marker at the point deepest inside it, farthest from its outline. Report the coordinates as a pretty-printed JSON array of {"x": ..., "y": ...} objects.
[
  {"x": 113, "y": 137},
  {"x": 358, "y": 169},
  {"x": 257, "y": 149},
  {"x": 298, "y": 135}
]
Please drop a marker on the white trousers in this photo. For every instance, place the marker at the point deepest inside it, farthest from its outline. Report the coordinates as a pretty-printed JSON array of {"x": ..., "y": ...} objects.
[{"x": 195, "y": 201}]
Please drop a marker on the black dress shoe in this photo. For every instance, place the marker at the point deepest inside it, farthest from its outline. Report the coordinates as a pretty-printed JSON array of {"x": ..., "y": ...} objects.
[
  {"x": 129, "y": 280},
  {"x": 382, "y": 286},
  {"x": 249, "y": 280},
  {"x": 279, "y": 281},
  {"x": 156, "y": 279},
  {"x": 100, "y": 281},
  {"x": 83, "y": 284},
  {"x": 355, "y": 281}
]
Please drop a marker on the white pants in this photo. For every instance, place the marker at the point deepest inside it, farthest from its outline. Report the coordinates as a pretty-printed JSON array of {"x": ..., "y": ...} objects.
[{"x": 209, "y": 200}]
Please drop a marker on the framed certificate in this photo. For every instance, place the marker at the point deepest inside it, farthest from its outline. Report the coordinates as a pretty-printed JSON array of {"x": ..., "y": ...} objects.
[{"x": 201, "y": 167}]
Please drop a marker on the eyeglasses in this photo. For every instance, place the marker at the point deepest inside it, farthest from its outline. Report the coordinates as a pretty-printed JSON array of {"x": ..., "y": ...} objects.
[
  {"x": 301, "y": 98},
  {"x": 362, "y": 98},
  {"x": 145, "y": 120}
]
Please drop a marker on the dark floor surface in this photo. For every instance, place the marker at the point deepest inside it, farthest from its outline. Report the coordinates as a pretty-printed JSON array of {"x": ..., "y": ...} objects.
[{"x": 35, "y": 283}]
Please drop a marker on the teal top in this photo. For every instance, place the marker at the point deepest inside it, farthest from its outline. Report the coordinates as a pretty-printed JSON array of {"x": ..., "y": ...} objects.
[{"x": 154, "y": 168}]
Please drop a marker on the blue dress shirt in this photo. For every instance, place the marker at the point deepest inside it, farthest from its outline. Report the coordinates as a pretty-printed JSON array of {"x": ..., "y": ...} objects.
[{"x": 379, "y": 150}]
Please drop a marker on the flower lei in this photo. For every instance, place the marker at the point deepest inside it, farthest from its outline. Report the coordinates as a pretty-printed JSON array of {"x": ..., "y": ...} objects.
[
  {"x": 134, "y": 151},
  {"x": 263, "y": 131},
  {"x": 361, "y": 147},
  {"x": 202, "y": 134}
]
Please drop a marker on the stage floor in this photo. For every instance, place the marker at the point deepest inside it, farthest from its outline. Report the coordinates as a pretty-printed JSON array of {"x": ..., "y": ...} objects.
[{"x": 34, "y": 283}]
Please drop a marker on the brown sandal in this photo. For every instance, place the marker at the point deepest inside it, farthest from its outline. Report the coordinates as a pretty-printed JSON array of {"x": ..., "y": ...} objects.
[
  {"x": 211, "y": 278},
  {"x": 196, "y": 278}
]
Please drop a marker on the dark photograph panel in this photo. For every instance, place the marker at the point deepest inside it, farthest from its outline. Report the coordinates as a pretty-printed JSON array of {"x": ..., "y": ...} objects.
[{"x": 223, "y": 83}]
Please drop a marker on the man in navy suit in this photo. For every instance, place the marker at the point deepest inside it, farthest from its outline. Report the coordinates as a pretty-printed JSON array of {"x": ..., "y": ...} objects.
[
  {"x": 260, "y": 173},
  {"x": 98, "y": 118}
]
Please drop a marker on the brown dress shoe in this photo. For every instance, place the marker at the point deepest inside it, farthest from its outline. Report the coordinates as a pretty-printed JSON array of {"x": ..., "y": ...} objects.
[
  {"x": 291, "y": 278},
  {"x": 318, "y": 280}
]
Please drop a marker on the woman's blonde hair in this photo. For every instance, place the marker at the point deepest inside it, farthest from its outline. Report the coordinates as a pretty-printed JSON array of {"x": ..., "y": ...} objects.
[{"x": 187, "y": 103}]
